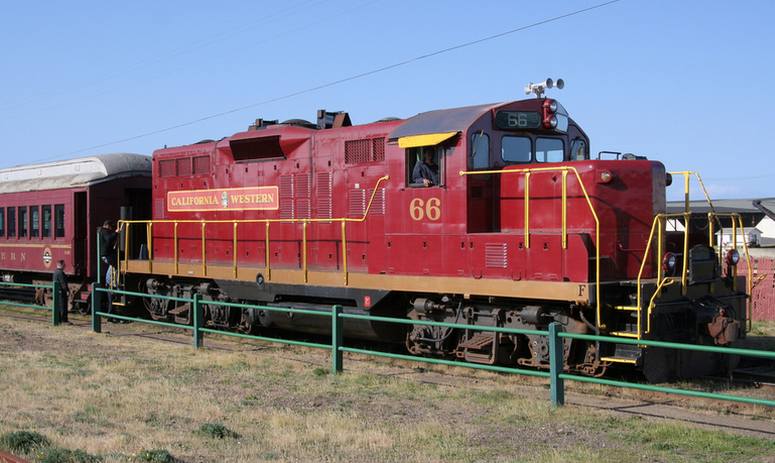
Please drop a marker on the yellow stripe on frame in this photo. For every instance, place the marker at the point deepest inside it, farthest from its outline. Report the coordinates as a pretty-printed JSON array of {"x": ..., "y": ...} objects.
[{"x": 431, "y": 139}]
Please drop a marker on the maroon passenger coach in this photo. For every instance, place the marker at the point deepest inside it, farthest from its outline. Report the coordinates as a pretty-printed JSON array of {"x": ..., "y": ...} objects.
[{"x": 49, "y": 212}]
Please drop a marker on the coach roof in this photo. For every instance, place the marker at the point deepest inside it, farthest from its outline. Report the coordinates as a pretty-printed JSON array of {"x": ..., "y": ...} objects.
[{"x": 73, "y": 173}]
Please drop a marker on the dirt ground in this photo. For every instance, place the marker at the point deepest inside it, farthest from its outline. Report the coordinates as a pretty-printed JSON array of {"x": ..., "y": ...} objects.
[{"x": 117, "y": 394}]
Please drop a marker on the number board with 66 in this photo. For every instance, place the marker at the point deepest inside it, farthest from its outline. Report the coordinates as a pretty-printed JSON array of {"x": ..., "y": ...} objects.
[{"x": 515, "y": 120}]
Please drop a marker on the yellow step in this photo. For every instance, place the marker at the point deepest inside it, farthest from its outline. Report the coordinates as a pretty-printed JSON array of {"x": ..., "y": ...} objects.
[
  {"x": 633, "y": 308},
  {"x": 624, "y": 334},
  {"x": 619, "y": 360}
]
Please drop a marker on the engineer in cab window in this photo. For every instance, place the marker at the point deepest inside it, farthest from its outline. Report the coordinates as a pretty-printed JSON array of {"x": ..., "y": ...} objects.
[{"x": 426, "y": 172}]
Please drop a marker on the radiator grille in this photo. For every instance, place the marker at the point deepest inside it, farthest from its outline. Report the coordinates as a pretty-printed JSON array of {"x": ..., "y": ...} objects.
[{"x": 365, "y": 150}]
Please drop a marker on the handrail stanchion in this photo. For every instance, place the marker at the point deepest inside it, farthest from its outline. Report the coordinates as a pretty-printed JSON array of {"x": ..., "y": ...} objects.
[
  {"x": 527, "y": 210},
  {"x": 685, "y": 269},
  {"x": 55, "y": 318},
  {"x": 304, "y": 250},
  {"x": 686, "y": 191},
  {"x": 337, "y": 339},
  {"x": 196, "y": 311},
  {"x": 734, "y": 246},
  {"x": 710, "y": 230},
  {"x": 556, "y": 383},
  {"x": 149, "y": 240},
  {"x": 565, "y": 209},
  {"x": 344, "y": 252},
  {"x": 204, "y": 249},
  {"x": 234, "y": 249},
  {"x": 126, "y": 247},
  {"x": 267, "y": 252},
  {"x": 660, "y": 243},
  {"x": 175, "y": 246}
]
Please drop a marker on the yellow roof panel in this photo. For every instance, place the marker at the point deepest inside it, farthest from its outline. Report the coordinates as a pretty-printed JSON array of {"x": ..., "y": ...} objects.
[{"x": 430, "y": 139}]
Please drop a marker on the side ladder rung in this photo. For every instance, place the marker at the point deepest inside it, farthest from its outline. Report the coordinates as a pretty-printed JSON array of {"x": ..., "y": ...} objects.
[
  {"x": 631, "y": 308},
  {"x": 624, "y": 334},
  {"x": 619, "y": 360}
]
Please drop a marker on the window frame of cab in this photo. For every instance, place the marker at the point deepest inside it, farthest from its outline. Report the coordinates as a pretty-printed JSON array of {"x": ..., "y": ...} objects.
[{"x": 441, "y": 152}]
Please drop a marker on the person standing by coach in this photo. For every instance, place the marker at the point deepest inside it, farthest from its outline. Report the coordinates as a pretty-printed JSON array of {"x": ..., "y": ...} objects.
[
  {"x": 64, "y": 292},
  {"x": 107, "y": 243}
]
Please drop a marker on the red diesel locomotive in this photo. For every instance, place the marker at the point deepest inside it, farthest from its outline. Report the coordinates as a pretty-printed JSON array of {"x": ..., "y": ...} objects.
[{"x": 514, "y": 226}]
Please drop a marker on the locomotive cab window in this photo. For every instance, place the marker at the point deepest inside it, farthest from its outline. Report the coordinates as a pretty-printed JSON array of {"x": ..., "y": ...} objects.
[
  {"x": 516, "y": 149},
  {"x": 22, "y": 222},
  {"x": 578, "y": 150},
  {"x": 425, "y": 166},
  {"x": 46, "y": 228},
  {"x": 480, "y": 150},
  {"x": 59, "y": 221},
  {"x": 34, "y": 221},
  {"x": 11, "y": 222},
  {"x": 550, "y": 150}
]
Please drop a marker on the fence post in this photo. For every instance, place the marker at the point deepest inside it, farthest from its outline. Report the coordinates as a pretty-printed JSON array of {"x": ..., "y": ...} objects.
[
  {"x": 196, "y": 309},
  {"x": 336, "y": 339},
  {"x": 556, "y": 384},
  {"x": 55, "y": 316},
  {"x": 96, "y": 303}
]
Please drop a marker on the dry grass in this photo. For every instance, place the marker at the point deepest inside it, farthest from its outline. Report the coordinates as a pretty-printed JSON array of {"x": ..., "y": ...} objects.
[{"x": 116, "y": 396}]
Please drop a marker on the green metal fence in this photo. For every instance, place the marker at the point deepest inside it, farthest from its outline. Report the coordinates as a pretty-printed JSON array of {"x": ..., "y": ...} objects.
[
  {"x": 55, "y": 293},
  {"x": 337, "y": 347}
]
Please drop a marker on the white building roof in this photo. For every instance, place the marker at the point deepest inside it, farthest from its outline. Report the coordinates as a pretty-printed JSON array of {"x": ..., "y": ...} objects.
[{"x": 73, "y": 173}]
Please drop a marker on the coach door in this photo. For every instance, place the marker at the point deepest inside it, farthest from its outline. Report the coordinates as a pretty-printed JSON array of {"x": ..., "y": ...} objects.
[{"x": 79, "y": 232}]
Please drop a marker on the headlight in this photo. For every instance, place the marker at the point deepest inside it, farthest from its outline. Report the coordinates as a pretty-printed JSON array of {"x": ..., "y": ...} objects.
[
  {"x": 606, "y": 176},
  {"x": 668, "y": 262},
  {"x": 733, "y": 257}
]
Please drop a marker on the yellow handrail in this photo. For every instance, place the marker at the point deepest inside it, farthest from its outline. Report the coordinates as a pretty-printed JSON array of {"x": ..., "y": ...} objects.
[
  {"x": 303, "y": 221},
  {"x": 662, "y": 283},
  {"x": 529, "y": 171}
]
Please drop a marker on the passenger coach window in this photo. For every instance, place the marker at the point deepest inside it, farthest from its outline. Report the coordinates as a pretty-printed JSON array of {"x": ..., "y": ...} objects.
[
  {"x": 34, "y": 221},
  {"x": 550, "y": 150},
  {"x": 516, "y": 149},
  {"x": 46, "y": 230},
  {"x": 59, "y": 220},
  {"x": 11, "y": 221},
  {"x": 22, "y": 222},
  {"x": 2, "y": 221},
  {"x": 480, "y": 150}
]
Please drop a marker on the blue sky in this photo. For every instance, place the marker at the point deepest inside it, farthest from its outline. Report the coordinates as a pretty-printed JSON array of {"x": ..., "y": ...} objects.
[{"x": 688, "y": 83}]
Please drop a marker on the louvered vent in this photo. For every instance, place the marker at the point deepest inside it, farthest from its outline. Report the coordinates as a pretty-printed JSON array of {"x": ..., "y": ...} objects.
[
  {"x": 378, "y": 204},
  {"x": 496, "y": 255},
  {"x": 302, "y": 189},
  {"x": 365, "y": 150},
  {"x": 201, "y": 165},
  {"x": 184, "y": 167},
  {"x": 356, "y": 202},
  {"x": 324, "y": 187},
  {"x": 286, "y": 197},
  {"x": 167, "y": 168}
]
